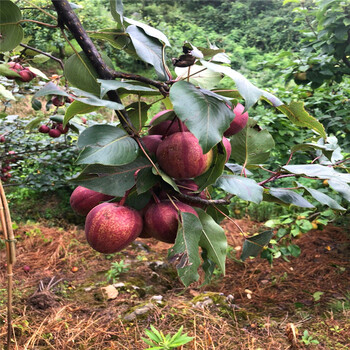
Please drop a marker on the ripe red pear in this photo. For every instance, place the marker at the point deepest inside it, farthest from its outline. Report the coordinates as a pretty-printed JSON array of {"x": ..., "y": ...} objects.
[
  {"x": 110, "y": 227},
  {"x": 54, "y": 133},
  {"x": 58, "y": 101},
  {"x": 26, "y": 75},
  {"x": 166, "y": 127},
  {"x": 181, "y": 156},
  {"x": 227, "y": 145},
  {"x": 61, "y": 129},
  {"x": 190, "y": 188},
  {"x": 44, "y": 129},
  {"x": 152, "y": 142},
  {"x": 161, "y": 220},
  {"x": 239, "y": 122},
  {"x": 82, "y": 200}
]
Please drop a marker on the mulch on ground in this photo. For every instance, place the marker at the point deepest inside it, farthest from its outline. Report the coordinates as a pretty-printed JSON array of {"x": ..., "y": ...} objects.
[{"x": 310, "y": 293}]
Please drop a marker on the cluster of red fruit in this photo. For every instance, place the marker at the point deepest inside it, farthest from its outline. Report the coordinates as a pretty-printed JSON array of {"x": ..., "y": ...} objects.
[
  {"x": 110, "y": 227},
  {"x": 5, "y": 175},
  {"x": 25, "y": 73},
  {"x": 56, "y": 130}
]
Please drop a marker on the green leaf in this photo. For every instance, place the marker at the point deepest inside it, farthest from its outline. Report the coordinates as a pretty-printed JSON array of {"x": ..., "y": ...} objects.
[
  {"x": 199, "y": 76},
  {"x": 297, "y": 114},
  {"x": 11, "y": 32},
  {"x": 117, "y": 38},
  {"x": 77, "y": 107},
  {"x": 108, "y": 85},
  {"x": 111, "y": 180},
  {"x": 252, "y": 145},
  {"x": 137, "y": 113},
  {"x": 208, "y": 267},
  {"x": 213, "y": 239},
  {"x": 51, "y": 89},
  {"x": 117, "y": 11},
  {"x": 107, "y": 145},
  {"x": 149, "y": 49},
  {"x": 153, "y": 32},
  {"x": 322, "y": 198},
  {"x": 290, "y": 197},
  {"x": 92, "y": 100},
  {"x": 38, "y": 72},
  {"x": 40, "y": 59},
  {"x": 341, "y": 187},
  {"x": 237, "y": 169},
  {"x": 81, "y": 74},
  {"x": 317, "y": 170},
  {"x": 216, "y": 168},
  {"x": 242, "y": 187},
  {"x": 327, "y": 150},
  {"x": 145, "y": 180},
  {"x": 7, "y": 72},
  {"x": 247, "y": 90},
  {"x": 7, "y": 95},
  {"x": 206, "y": 115},
  {"x": 185, "y": 249},
  {"x": 253, "y": 245}
]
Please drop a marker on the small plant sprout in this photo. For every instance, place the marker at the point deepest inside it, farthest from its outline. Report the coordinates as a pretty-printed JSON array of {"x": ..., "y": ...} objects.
[
  {"x": 159, "y": 341},
  {"x": 116, "y": 269},
  {"x": 307, "y": 339}
]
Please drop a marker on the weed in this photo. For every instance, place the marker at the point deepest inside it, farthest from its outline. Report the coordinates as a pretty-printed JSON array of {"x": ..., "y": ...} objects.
[
  {"x": 160, "y": 341},
  {"x": 307, "y": 339},
  {"x": 116, "y": 269}
]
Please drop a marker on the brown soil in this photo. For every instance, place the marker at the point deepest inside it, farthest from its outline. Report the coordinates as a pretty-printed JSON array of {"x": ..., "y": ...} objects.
[{"x": 272, "y": 305}]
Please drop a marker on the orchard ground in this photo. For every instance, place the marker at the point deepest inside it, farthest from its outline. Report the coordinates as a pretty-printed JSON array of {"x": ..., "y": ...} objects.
[{"x": 310, "y": 292}]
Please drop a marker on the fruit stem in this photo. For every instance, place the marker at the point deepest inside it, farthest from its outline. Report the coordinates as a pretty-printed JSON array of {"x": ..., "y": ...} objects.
[
  {"x": 234, "y": 222},
  {"x": 122, "y": 201}
]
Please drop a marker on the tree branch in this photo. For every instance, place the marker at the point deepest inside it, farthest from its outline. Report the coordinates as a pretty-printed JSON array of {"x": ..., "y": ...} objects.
[
  {"x": 44, "y": 53},
  {"x": 67, "y": 17}
]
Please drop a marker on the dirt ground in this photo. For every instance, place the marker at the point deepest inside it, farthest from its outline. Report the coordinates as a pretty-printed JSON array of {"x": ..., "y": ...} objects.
[{"x": 254, "y": 306}]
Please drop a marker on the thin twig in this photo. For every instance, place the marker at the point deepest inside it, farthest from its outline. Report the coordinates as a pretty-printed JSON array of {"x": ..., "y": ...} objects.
[{"x": 44, "y": 53}]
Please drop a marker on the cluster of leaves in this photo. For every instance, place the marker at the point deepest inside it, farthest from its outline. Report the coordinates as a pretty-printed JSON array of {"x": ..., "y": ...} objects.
[
  {"x": 325, "y": 56},
  {"x": 112, "y": 156}
]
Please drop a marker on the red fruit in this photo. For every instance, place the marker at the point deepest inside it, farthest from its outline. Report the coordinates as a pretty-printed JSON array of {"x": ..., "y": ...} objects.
[
  {"x": 2, "y": 139},
  {"x": 144, "y": 233},
  {"x": 26, "y": 75},
  {"x": 54, "y": 133},
  {"x": 8, "y": 175},
  {"x": 161, "y": 220},
  {"x": 181, "y": 156},
  {"x": 190, "y": 188},
  {"x": 69, "y": 99},
  {"x": 44, "y": 129},
  {"x": 84, "y": 120},
  {"x": 239, "y": 122},
  {"x": 227, "y": 145},
  {"x": 11, "y": 152},
  {"x": 26, "y": 268},
  {"x": 61, "y": 129},
  {"x": 16, "y": 66},
  {"x": 8, "y": 167},
  {"x": 152, "y": 142},
  {"x": 166, "y": 127},
  {"x": 57, "y": 101},
  {"x": 109, "y": 227},
  {"x": 82, "y": 200}
]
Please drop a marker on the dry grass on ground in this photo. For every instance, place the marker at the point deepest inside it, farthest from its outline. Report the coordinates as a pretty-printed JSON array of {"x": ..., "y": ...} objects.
[{"x": 268, "y": 301}]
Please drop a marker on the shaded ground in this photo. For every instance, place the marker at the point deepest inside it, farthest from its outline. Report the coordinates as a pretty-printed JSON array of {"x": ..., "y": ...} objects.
[{"x": 268, "y": 302}]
